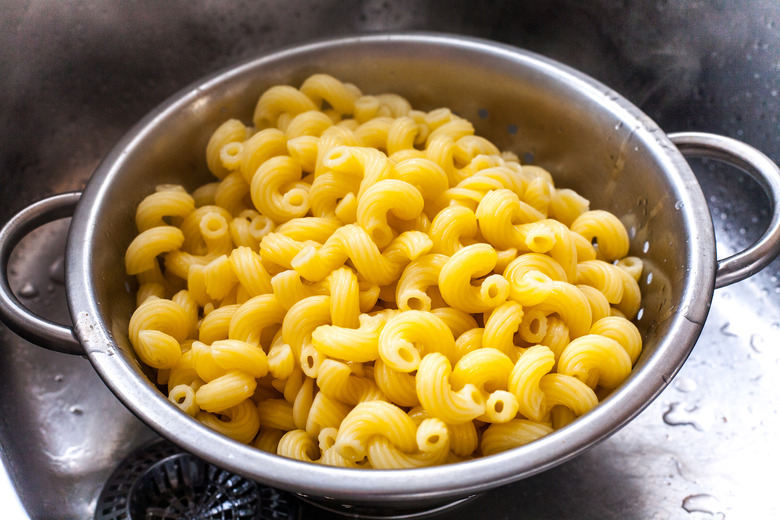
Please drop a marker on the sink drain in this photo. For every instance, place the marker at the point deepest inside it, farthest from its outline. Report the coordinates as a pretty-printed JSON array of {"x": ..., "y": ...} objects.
[{"x": 161, "y": 482}]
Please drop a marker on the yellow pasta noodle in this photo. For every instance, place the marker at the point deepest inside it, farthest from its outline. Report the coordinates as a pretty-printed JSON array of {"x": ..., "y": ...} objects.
[
  {"x": 169, "y": 202},
  {"x": 241, "y": 422},
  {"x": 338, "y": 381},
  {"x": 323, "y": 87},
  {"x": 216, "y": 324},
  {"x": 183, "y": 372},
  {"x": 144, "y": 249},
  {"x": 251, "y": 318},
  {"x": 203, "y": 362},
  {"x": 183, "y": 396},
  {"x": 400, "y": 387},
  {"x": 231, "y": 131},
  {"x": 312, "y": 124},
  {"x": 502, "y": 324},
  {"x": 277, "y": 414},
  {"x": 568, "y": 391},
  {"x": 452, "y": 228},
  {"x": 503, "y": 220},
  {"x": 456, "y": 276},
  {"x": 373, "y": 418},
  {"x": 344, "y": 297},
  {"x": 595, "y": 360},
  {"x": 232, "y": 193},
  {"x": 524, "y": 380},
  {"x": 358, "y": 344},
  {"x": 276, "y": 192},
  {"x": 354, "y": 243},
  {"x": 602, "y": 276},
  {"x": 416, "y": 278},
  {"x": 606, "y": 230},
  {"x": 408, "y": 336},
  {"x": 298, "y": 445},
  {"x": 437, "y": 397},
  {"x": 239, "y": 355},
  {"x": 505, "y": 436},
  {"x": 400, "y": 197},
  {"x": 325, "y": 412},
  {"x": 488, "y": 369},
  {"x": 156, "y": 329},
  {"x": 225, "y": 391},
  {"x": 470, "y": 341},
  {"x": 433, "y": 447}
]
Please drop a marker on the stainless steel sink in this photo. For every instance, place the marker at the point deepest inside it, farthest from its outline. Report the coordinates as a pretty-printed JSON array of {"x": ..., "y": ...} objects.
[{"x": 76, "y": 75}]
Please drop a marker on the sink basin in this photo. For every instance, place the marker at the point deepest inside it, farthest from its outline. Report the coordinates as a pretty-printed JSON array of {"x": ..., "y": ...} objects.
[{"x": 704, "y": 448}]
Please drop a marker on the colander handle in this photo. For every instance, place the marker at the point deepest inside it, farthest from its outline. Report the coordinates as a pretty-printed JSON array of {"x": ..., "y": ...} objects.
[
  {"x": 13, "y": 313},
  {"x": 743, "y": 156}
]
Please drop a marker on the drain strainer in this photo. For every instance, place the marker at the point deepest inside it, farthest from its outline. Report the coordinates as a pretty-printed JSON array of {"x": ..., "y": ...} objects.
[{"x": 161, "y": 482}]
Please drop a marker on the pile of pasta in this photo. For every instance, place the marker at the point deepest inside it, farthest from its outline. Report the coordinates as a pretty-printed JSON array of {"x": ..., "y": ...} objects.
[{"x": 368, "y": 285}]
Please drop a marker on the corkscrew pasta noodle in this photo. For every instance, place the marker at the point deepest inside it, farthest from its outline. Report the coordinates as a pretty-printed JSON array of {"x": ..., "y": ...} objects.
[{"x": 367, "y": 285}]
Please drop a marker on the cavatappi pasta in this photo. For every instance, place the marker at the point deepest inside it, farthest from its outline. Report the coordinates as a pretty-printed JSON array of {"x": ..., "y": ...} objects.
[{"x": 367, "y": 285}]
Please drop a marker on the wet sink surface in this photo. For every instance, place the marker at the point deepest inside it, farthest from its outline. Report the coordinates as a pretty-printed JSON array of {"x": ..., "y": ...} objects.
[{"x": 77, "y": 76}]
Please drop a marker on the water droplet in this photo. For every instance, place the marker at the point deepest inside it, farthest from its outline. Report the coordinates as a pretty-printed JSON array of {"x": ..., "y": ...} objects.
[
  {"x": 75, "y": 410},
  {"x": 649, "y": 278},
  {"x": 483, "y": 113},
  {"x": 679, "y": 204},
  {"x": 678, "y": 414},
  {"x": 685, "y": 384},
  {"x": 57, "y": 271},
  {"x": 28, "y": 290},
  {"x": 618, "y": 125},
  {"x": 646, "y": 247},
  {"x": 757, "y": 343},
  {"x": 724, "y": 329},
  {"x": 701, "y": 503},
  {"x": 59, "y": 378}
]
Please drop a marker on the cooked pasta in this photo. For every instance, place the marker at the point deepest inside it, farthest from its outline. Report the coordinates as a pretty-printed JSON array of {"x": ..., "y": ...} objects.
[{"x": 367, "y": 285}]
